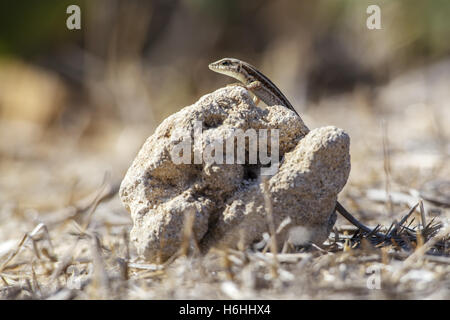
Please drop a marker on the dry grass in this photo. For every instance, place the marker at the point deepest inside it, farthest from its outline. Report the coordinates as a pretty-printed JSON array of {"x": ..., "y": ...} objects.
[{"x": 95, "y": 263}]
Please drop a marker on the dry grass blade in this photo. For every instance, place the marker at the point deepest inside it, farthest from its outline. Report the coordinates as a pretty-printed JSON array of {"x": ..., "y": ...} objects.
[
  {"x": 101, "y": 279},
  {"x": 14, "y": 253},
  {"x": 100, "y": 197},
  {"x": 270, "y": 220},
  {"x": 422, "y": 214},
  {"x": 36, "y": 286},
  {"x": 387, "y": 167},
  {"x": 143, "y": 266},
  {"x": 29, "y": 236}
]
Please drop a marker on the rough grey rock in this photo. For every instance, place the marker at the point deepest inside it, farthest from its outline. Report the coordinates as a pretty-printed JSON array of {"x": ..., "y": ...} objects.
[{"x": 227, "y": 199}]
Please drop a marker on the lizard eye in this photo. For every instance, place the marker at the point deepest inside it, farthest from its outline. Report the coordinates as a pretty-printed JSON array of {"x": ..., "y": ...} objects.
[{"x": 225, "y": 63}]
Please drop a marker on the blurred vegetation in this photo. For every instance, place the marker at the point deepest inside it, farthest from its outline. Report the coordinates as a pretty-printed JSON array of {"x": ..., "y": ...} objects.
[
  {"x": 30, "y": 28},
  {"x": 151, "y": 56}
]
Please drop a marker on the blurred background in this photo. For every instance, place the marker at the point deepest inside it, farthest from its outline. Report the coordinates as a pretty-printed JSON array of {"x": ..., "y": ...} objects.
[{"x": 75, "y": 104}]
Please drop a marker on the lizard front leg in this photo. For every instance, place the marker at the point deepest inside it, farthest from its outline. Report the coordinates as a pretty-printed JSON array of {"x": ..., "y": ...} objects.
[{"x": 253, "y": 86}]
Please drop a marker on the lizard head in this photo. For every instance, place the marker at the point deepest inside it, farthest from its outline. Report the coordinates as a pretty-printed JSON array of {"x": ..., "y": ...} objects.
[{"x": 230, "y": 67}]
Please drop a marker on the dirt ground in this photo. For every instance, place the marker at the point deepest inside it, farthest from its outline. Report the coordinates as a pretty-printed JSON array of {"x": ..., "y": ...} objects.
[{"x": 64, "y": 232}]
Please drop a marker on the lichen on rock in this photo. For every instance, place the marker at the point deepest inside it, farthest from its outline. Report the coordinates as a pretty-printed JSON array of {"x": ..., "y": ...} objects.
[{"x": 227, "y": 199}]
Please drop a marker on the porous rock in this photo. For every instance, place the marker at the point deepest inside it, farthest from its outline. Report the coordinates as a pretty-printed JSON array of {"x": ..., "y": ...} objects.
[{"x": 227, "y": 200}]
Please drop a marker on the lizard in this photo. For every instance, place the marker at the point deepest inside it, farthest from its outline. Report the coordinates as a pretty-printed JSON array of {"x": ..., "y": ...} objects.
[{"x": 265, "y": 90}]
